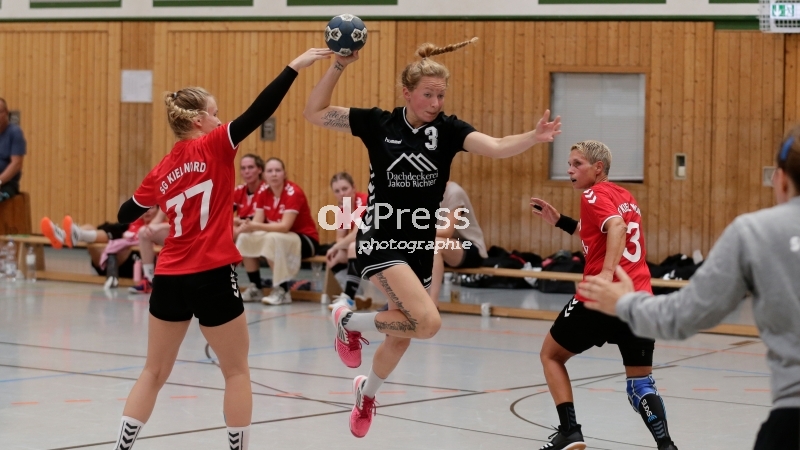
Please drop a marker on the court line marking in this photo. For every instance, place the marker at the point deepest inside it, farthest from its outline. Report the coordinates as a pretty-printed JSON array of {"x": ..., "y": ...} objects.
[{"x": 345, "y": 409}]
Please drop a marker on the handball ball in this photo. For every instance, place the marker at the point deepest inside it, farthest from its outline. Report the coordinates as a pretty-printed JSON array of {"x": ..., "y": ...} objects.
[{"x": 345, "y": 34}]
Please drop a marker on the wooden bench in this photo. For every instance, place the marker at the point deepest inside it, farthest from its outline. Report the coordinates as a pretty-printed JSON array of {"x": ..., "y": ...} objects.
[
  {"x": 23, "y": 242},
  {"x": 500, "y": 311},
  {"x": 15, "y": 215}
]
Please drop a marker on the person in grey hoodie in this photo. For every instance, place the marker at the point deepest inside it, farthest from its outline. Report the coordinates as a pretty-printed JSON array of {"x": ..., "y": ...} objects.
[{"x": 759, "y": 252}]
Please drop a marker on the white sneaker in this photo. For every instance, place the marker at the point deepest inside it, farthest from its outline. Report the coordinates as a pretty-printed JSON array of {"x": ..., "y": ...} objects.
[
  {"x": 343, "y": 299},
  {"x": 111, "y": 282},
  {"x": 277, "y": 297},
  {"x": 252, "y": 294}
]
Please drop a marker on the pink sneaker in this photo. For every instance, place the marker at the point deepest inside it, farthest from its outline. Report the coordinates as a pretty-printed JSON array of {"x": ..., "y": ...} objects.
[
  {"x": 347, "y": 343},
  {"x": 364, "y": 409}
]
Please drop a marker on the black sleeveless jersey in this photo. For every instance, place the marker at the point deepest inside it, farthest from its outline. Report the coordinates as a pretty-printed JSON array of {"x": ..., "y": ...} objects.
[{"x": 409, "y": 169}]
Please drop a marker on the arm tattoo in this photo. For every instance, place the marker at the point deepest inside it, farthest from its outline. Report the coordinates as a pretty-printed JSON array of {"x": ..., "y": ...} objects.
[
  {"x": 336, "y": 120},
  {"x": 338, "y": 66},
  {"x": 405, "y": 326}
]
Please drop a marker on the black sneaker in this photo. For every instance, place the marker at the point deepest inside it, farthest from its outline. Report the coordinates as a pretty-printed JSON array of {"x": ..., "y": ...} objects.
[{"x": 561, "y": 441}]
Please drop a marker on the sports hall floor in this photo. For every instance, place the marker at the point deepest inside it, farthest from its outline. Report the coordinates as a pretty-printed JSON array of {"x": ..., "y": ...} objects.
[{"x": 69, "y": 354}]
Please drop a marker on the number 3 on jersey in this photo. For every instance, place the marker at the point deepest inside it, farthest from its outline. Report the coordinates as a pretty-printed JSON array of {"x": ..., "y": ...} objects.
[
  {"x": 177, "y": 201},
  {"x": 633, "y": 227}
]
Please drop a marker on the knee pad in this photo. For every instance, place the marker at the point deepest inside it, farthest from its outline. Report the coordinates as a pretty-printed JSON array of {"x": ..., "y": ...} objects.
[{"x": 637, "y": 388}]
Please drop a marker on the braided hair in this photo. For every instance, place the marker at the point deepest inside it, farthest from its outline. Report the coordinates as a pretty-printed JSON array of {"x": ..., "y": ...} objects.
[{"x": 183, "y": 106}]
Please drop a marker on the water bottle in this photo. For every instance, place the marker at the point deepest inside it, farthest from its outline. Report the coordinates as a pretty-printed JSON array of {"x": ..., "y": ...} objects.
[
  {"x": 447, "y": 285},
  {"x": 455, "y": 289},
  {"x": 30, "y": 262},
  {"x": 2, "y": 261},
  {"x": 11, "y": 260}
]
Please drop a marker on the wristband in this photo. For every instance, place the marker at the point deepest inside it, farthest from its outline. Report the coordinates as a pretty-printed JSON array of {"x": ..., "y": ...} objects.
[{"x": 567, "y": 224}]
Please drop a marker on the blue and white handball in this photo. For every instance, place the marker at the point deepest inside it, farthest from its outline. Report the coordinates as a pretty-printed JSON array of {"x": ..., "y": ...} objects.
[{"x": 345, "y": 34}]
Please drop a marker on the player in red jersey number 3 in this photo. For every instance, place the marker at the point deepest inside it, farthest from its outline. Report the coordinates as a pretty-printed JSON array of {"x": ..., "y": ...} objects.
[{"x": 611, "y": 235}]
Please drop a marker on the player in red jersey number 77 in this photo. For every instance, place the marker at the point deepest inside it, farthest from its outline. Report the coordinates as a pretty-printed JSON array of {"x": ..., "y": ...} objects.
[{"x": 195, "y": 273}]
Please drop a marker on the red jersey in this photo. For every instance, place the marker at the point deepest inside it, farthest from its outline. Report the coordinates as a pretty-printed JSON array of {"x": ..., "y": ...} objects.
[
  {"x": 193, "y": 184},
  {"x": 292, "y": 199},
  {"x": 135, "y": 226},
  {"x": 361, "y": 200},
  {"x": 600, "y": 203},
  {"x": 243, "y": 200}
]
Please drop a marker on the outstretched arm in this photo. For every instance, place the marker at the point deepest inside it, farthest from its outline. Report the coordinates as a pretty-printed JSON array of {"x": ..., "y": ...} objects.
[
  {"x": 270, "y": 98},
  {"x": 505, "y": 147},
  {"x": 553, "y": 217},
  {"x": 318, "y": 108}
]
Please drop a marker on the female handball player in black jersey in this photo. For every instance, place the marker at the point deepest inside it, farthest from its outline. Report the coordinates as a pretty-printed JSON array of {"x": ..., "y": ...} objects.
[{"x": 410, "y": 151}]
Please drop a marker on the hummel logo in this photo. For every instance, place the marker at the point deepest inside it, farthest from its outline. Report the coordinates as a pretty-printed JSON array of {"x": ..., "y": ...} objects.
[
  {"x": 419, "y": 162},
  {"x": 571, "y": 305},
  {"x": 234, "y": 439},
  {"x": 590, "y": 195},
  {"x": 392, "y": 141}
]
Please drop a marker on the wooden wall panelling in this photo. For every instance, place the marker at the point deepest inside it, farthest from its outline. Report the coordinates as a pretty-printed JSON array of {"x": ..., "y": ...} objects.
[
  {"x": 62, "y": 80},
  {"x": 677, "y": 58},
  {"x": 791, "y": 104},
  {"x": 748, "y": 98},
  {"x": 311, "y": 154},
  {"x": 135, "y": 141}
]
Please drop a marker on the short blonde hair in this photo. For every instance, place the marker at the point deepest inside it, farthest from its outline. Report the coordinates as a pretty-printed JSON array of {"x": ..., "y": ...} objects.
[
  {"x": 594, "y": 151},
  {"x": 426, "y": 67},
  {"x": 183, "y": 106}
]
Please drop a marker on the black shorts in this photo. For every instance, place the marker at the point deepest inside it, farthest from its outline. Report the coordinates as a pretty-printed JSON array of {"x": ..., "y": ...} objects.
[
  {"x": 211, "y": 296},
  {"x": 421, "y": 262},
  {"x": 780, "y": 431},
  {"x": 308, "y": 246},
  {"x": 472, "y": 258},
  {"x": 113, "y": 230},
  {"x": 578, "y": 329},
  {"x": 125, "y": 269}
]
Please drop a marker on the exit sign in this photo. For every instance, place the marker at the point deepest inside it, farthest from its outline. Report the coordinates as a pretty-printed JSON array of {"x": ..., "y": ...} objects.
[{"x": 784, "y": 11}]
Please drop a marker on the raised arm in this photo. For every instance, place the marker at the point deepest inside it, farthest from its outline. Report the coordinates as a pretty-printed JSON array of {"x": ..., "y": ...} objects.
[
  {"x": 505, "y": 147},
  {"x": 318, "y": 108},
  {"x": 270, "y": 98}
]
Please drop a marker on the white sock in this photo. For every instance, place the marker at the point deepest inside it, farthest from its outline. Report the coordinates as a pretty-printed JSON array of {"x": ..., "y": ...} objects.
[
  {"x": 239, "y": 438},
  {"x": 129, "y": 429},
  {"x": 372, "y": 385},
  {"x": 362, "y": 322},
  {"x": 149, "y": 271},
  {"x": 88, "y": 236}
]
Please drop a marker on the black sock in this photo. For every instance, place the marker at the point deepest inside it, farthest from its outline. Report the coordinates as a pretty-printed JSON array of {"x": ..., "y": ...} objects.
[
  {"x": 255, "y": 278},
  {"x": 285, "y": 286},
  {"x": 655, "y": 417},
  {"x": 566, "y": 415},
  {"x": 353, "y": 279}
]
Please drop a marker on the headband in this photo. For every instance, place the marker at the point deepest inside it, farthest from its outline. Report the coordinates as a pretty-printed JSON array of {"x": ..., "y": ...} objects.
[{"x": 784, "y": 154}]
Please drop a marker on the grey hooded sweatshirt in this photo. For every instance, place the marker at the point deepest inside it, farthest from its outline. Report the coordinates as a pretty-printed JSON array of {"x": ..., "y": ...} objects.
[{"x": 759, "y": 252}]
